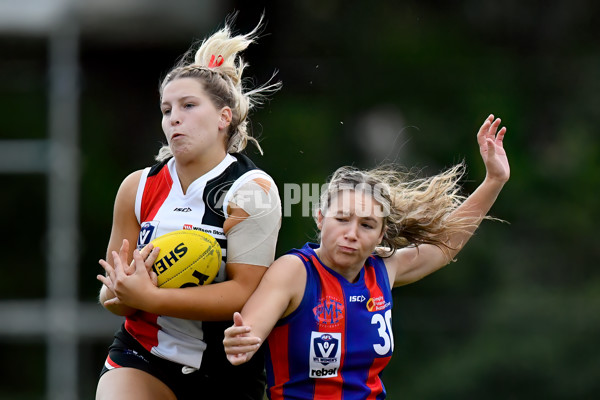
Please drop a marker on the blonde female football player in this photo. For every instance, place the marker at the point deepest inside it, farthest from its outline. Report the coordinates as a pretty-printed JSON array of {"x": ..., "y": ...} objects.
[
  {"x": 170, "y": 345},
  {"x": 324, "y": 311}
]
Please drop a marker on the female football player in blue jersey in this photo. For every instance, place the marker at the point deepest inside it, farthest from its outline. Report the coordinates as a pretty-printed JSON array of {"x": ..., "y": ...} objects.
[
  {"x": 324, "y": 311},
  {"x": 170, "y": 346}
]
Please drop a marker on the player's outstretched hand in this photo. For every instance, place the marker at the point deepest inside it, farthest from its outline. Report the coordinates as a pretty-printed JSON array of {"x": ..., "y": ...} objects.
[
  {"x": 239, "y": 345},
  {"x": 148, "y": 253},
  {"x": 491, "y": 147},
  {"x": 130, "y": 288}
]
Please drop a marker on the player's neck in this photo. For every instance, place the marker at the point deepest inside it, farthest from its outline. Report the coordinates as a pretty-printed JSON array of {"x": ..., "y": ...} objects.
[{"x": 188, "y": 172}]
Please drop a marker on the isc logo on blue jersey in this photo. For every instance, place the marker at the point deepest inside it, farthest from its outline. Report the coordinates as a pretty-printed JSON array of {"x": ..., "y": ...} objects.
[
  {"x": 325, "y": 353},
  {"x": 147, "y": 233}
]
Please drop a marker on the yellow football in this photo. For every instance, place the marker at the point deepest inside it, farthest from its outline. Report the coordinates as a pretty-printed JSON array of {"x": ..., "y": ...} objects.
[{"x": 186, "y": 258}]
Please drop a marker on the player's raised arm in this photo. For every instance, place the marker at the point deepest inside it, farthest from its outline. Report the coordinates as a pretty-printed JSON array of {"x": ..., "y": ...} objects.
[{"x": 413, "y": 263}]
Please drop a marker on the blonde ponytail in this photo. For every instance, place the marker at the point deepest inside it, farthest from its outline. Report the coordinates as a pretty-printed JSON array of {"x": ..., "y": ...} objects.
[{"x": 216, "y": 62}]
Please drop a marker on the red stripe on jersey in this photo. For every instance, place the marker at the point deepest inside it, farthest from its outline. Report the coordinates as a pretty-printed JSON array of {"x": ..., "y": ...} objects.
[
  {"x": 144, "y": 328},
  {"x": 329, "y": 389},
  {"x": 371, "y": 279},
  {"x": 112, "y": 363},
  {"x": 278, "y": 348},
  {"x": 156, "y": 190},
  {"x": 373, "y": 381}
]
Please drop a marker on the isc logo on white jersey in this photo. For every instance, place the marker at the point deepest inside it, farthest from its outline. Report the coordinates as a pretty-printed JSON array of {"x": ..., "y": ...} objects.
[{"x": 325, "y": 353}]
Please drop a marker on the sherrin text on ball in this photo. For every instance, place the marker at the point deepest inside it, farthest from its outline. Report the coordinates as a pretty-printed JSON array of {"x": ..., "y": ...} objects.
[{"x": 186, "y": 258}]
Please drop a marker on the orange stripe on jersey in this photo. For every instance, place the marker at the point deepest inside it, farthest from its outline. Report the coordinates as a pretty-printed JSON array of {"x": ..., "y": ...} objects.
[
  {"x": 155, "y": 192},
  {"x": 373, "y": 381},
  {"x": 329, "y": 388},
  {"x": 278, "y": 348}
]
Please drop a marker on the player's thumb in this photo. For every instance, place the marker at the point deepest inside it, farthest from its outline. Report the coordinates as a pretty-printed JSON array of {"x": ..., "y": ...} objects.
[{"x": 237, "y": 319}]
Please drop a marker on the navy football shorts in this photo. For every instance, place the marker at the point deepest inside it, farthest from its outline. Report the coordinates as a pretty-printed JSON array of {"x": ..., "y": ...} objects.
[{"x": 209, "y": 382}]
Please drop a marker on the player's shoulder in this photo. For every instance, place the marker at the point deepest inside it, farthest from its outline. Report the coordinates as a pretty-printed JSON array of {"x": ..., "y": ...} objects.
[
  {"x": 289, "y": 263},
  {"x": 257, "y": 194},
  {"x": 246, "y": 169},
  {"x": 287, "y": 272},
  {"x": 125, "y": 199},
  {"x": 133, "y": 177},
  {"x": 130, "y": 183}
]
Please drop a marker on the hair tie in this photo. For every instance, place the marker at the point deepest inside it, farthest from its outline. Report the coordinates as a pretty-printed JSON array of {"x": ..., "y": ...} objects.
[{"x": 215, "y": 63}]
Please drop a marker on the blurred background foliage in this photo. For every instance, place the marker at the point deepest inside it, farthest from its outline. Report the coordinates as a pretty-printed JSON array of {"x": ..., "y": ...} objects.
[{"x": 516, "y": 317}]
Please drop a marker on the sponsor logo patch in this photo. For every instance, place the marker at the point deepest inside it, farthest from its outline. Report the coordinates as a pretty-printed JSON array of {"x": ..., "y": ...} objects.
[
  {"x": 377, "y": 304},
  {"x": 325, "y": 354},
  {"x": 215, "y": 231}
]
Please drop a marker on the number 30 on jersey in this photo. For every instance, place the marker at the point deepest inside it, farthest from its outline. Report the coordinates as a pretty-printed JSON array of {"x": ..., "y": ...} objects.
[{"x": 383, "y": 323}]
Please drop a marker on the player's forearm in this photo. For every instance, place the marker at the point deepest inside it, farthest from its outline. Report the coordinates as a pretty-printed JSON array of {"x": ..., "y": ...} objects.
[
  {"x": 473, "y": 210},
  {"x": 214, "y": 302}
]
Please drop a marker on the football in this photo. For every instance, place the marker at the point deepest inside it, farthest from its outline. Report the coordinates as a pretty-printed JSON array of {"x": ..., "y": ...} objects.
[{"x": 186, "y": 258}]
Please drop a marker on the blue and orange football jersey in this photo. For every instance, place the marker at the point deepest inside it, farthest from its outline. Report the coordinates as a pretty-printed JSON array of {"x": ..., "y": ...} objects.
[{"x": 337, "y": 342}]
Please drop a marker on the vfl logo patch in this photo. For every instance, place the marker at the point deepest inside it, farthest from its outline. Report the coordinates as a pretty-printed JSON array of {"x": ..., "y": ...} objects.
[
  {"x": 329, "y": 311},
  {"x": 325, "y": 354},
  {"x": 147, "y": 233}
]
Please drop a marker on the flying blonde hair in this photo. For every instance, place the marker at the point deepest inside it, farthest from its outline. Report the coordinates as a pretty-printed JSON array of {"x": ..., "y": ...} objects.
[
  {"x": 217, "y": 64},
  {"x": 415, "y": 210}
]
